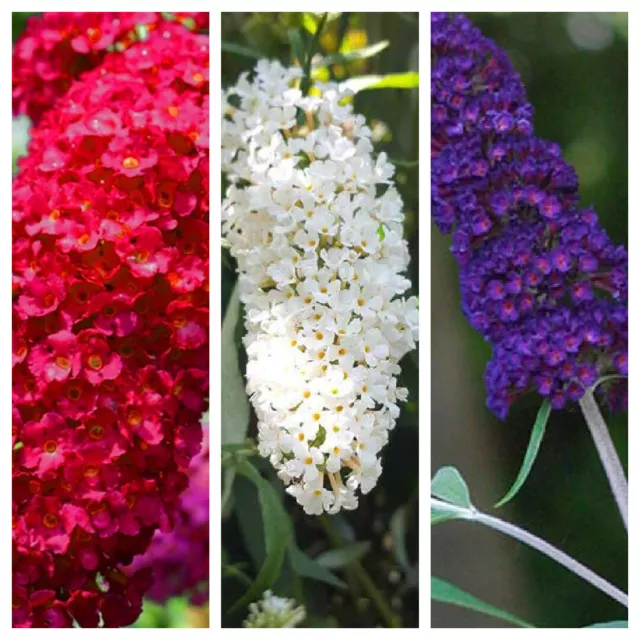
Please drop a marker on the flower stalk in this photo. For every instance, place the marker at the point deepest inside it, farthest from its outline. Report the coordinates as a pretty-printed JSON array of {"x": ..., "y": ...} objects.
[{"x": 607, "y": 453}]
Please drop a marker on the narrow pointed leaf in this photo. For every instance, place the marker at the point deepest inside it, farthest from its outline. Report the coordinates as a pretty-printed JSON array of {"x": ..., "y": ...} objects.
[
  {"x": 277, "y": 533},
  {"x": 235, "y": 405},
  {"x": 350, "y": 56},
  {"x": 305, "y": 566},
  {"x": 535, "y": 441},
  {"x": 616, "y": 624},
  {"x": 443, "y": 591},
  {"x": 240, "y": 50},
  {"x": 407, "y": 80}
]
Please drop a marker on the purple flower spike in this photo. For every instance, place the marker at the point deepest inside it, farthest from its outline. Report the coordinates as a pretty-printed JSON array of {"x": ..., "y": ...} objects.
[{"x": 540, "y": 279}]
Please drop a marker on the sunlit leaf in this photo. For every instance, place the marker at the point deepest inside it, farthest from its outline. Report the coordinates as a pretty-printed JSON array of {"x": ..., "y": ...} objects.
[
  {"x": 407, "y": 80},
  {"x": 535, "y": 441},
  {"x": 615, "y": 624},
  {"x": 443, "y": 591}
]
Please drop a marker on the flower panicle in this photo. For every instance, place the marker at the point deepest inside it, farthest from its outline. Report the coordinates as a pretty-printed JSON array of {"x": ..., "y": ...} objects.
[
  {"x": 539, "y": 277},
  {"x": 315, "y": 224}
]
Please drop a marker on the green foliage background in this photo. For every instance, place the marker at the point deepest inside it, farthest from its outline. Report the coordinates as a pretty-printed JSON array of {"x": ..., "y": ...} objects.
[
  {"x": 325, "y": 569},
  {"x": 580, "y": 97}
]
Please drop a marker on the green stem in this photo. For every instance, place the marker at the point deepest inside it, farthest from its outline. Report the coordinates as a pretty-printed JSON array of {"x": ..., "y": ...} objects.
[
  {"x": 306, "y": 81},
  {"x": 369, "y": 586}
]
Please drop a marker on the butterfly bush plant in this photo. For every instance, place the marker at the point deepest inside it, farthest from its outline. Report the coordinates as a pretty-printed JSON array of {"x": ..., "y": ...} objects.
[
  {"x": 314, "y": 225},
  {"x": 540, "y": 279},
  {"x": 110, "y": 307}
]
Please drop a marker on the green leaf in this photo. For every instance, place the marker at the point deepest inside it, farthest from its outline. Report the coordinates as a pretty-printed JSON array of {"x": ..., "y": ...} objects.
[
  {"x": 235, "y": 405},
  {"x": 616, "y": 624},
  {"x": 350, "y": 56},
  {"x": 241, "y": 50},
  {"x": 407, "y": 80},
  {"x": 344, "y": 556},
  {"x": 535, "y": 441},
  {"x": 309, "y": 22},
  {"x": 305, "y": 566},
  {"x": 297, "y": 45},
  {"x": 442, "y": 591},
  {"x": 398, "y": 526},
  {"x": 449, "y": 485},
  {"x": 277, "y": 532}
]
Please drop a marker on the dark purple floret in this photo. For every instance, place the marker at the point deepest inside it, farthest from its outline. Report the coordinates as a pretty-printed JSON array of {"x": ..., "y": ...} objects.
[{"x": 539, "y": 277}]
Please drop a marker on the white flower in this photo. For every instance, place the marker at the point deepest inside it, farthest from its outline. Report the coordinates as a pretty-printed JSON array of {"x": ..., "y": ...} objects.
[
  {"x": 316, "y": 227},
  {"x": 274, "y": 612}
]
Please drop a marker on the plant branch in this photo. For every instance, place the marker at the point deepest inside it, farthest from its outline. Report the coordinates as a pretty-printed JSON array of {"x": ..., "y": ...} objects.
[
  {"x": 536, "y": 543},
  {"x": 607, "y": 452}
]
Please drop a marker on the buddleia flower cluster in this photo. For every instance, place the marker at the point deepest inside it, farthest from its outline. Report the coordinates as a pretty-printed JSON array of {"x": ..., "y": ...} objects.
[
  {"x": 540, "y": 278},
  {"x": 315, "y": 224},
  {"x": 274, "y": 612},
  {"x": 110, "y": 326},
  {"x": 57, "y": 47}
]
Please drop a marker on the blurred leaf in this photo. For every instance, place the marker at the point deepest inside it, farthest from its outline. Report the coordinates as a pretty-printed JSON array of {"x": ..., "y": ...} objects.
[
  {"x": 407, "y": 80},
  {"x": 398, "y": 527},
  {"x": 241, "y": 50},
  {"x": 350, "y": 56},
  {"x": 449, "y": 485},
  {"x": 305, "y": 566},
  {"x": 616, "y": 624},
  {"x": 297, "y": 45},
  {"x": 277, "y": 528},
  {"x": 309, "y": 22},
  {"x": 537, "y": 433},
  {"x": 344, "y": 556},
  {"x": 442, "y": 591},
  {"x": 235, "y": 405}
]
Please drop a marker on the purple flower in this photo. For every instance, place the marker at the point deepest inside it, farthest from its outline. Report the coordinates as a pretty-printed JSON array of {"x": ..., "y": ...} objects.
[
  {"x": 539, "y": 278},
  {"x": 179, "y": 558}
]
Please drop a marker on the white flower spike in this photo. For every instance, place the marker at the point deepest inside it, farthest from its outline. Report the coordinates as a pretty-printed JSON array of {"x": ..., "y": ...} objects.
[{"x": 315, "y": 225}]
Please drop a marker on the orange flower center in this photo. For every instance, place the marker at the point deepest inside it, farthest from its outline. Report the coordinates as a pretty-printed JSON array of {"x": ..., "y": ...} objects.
[
  {"x": 55, "y": 214},
  {"x": 49, "y": 300},
  {"x": 141, "y": 257},
  {"x": 95, "y": 362},
  {"x": 91, "y": 471},
  {"x": 180, "y": 322},
  {"x": 73, "y": 393},
  {"x": 130, "y": 162},
  {"x": 97, "y": 432},
  {"x": 50, "y": 446},
  {"x": 83, "y": 239},
  {"x": 49, "y": 520},
  {"x": 134, "y": 417},
  {"x": 93, "y": 35},
  {"x": 173, "y": 111},
  {"x": 198, "y": 78}
]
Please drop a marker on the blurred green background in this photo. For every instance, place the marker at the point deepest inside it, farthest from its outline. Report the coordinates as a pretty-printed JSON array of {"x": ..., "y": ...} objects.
[
  {"x": 386, "y": 522},
  {"x": 574, "y": 67}
]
